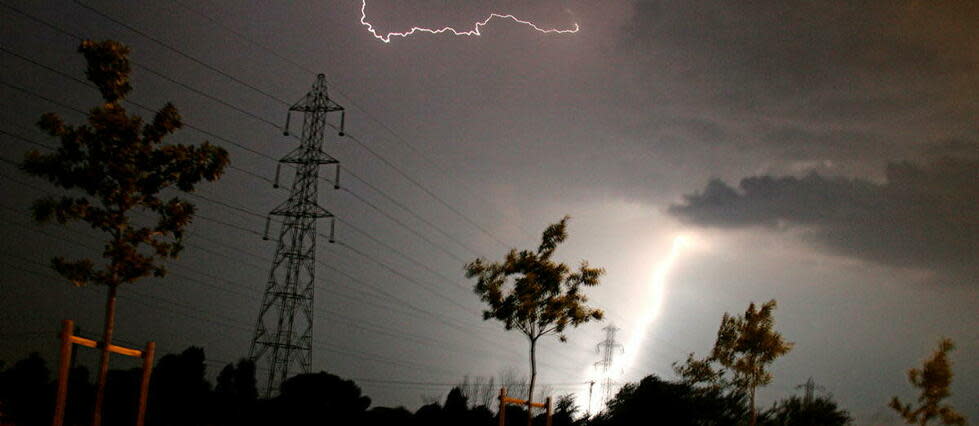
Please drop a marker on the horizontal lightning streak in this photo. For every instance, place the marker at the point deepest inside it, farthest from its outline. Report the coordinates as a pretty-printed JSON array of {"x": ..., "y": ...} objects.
[{"x": 473, "y": 32}]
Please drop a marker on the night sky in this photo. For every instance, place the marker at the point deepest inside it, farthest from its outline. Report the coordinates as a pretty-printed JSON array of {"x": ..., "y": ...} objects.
[{"x": 709, "y": 154}]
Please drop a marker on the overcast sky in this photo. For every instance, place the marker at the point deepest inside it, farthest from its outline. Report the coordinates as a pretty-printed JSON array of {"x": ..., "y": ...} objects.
[{"x": 826, "y": 156}]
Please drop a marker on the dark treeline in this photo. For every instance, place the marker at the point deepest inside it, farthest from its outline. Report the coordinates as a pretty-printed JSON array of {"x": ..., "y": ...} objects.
[{"x": 181, "y": 394}]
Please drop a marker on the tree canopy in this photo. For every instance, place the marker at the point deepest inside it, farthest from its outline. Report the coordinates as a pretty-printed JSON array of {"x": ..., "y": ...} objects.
[
  {"x": 934, "y": 381},
  {"x": 114, "y": 164},
  {"x": 745, "y": 346}
]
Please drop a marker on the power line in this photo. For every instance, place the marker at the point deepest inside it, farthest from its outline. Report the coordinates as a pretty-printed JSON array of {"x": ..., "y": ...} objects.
[
  {"x": 216, "y": 278},
  {"x": 282, "y": 101},
  {"x": 358, "y": 197},
  {"x": 350, "y": 100},
  {"x": 209, "y": 315}
]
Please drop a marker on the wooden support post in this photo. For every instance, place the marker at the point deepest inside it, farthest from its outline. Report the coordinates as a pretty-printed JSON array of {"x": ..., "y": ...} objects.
[
  {"x": 550, "y": 412},
  {"x": 64, "y": 364},
  {"x": 144, "y": 384},
  {"x": 68, "y": 342},
  {"x": 503, "y": 406}
]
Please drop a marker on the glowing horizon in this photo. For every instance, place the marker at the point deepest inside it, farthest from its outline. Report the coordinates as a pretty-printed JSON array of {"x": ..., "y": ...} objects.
[{"x": 470, "y": 33}]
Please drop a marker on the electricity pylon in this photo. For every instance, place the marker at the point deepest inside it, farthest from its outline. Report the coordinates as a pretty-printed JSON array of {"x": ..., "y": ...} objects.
[
  {"x": 608, "y": 349},
  {"x": 280, "y": 338}
]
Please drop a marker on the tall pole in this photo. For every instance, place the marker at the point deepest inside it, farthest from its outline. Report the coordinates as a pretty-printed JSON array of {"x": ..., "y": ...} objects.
[{"x": 284, "y": 329}]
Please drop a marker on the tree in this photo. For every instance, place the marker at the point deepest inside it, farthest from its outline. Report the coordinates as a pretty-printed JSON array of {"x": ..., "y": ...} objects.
[
  {"x": 671, "y": 403},
  {"x": 934, "y": 380},
  {"x": 565, "y": 410},
  {"x": 745, "y": 345},
  {"x": 25, "y": 392},
  {"x": 306, "y": 399},
  {"x": 236, "y": 392},
  {"x": 544, "y": 296},
  {"x": 179, "y": 391},
  {"x": 113, "y": 166},
  {"x": 796, "y": 411}
]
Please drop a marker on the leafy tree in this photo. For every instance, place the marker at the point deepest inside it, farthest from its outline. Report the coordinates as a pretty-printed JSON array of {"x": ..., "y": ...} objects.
[
  {"x": 545, "y": 296},
  {"x": 934, "y": 380},
  {"x": 745, "y": 345},
  {"x": 564, "y": 411},
  {"x": 236, "y": 392},
  {"x": 179, "y": 391},
  {"x": 796, "y": 411},
  {"x": 113, "y": 166},
  {"x": 671, "y": 403},
  {"x": 384, "y": 416},
  {"x": 122, "y": 398},
  {"x": 318, "y": 398},
  {"x": 25, "y": 392}
]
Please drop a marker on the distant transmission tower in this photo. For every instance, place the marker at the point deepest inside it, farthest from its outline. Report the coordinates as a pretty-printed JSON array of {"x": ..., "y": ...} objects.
[
  {"x": 608, "y": 349},
  {"x": 282, "y": 339}
]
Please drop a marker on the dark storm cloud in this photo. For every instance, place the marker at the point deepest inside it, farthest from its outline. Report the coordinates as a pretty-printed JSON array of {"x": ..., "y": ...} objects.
[
  {"x": 815, "y": 80},
  {"x": 921, "y": 216}
]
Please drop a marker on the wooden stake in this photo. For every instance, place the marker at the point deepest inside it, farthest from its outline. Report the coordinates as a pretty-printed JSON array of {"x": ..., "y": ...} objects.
[
  {"x": 64, "y": 364},
  {"x": 144, "y": 384},
  {"x": 503, "y": 399},
  {"x": 549, "y": 412}
]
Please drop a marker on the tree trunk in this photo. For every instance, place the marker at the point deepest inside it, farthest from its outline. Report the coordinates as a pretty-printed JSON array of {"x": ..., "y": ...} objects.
[
  {"x": 754, "y": 414},
  {"x": 533, "y": 379},
  {"x": 110, "y": 317}
]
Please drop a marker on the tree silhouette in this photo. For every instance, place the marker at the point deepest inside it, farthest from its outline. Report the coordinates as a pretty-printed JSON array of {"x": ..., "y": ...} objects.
[
  {"x": 671, "y": 403},
  {"x": 745, "y": 345},
  {"x": 564, "y": 410},
  {"x": 179, "y": 391},
  {"x": 113, "y": 166},
  {"x": 933, "y": 380},
  {"x": 236, "y": 392},
  {"x": 796, "y": 411},
  {"x": 545, "y": 296},
  {"x": 318, "y": 398},
  {"x": 25, "y": 391}
]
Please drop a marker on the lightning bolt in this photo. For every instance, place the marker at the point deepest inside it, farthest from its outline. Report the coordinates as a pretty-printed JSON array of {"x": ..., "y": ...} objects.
[
  {"x": 473, "y": 32},
  {"x": 654, "y": 304}
]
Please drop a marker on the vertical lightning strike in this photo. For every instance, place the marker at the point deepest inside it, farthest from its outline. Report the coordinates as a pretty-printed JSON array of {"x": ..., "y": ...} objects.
[
  {"x": 651, "y": 310},
  {"x": 473, "y": 32}
]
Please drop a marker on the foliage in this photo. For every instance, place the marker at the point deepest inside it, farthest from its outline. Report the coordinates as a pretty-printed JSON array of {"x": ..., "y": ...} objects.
[
  {"x": 534, "y": 294},
  {"x": 564, "y": 411},
  {"x": 671, "y": 403},
  {"x": 745, "y": 345},
  {"x": 179, "y": 390},
  {"x": 796, "y": 411},
  {"x": 308, "y": 398},
  {"x": 112, "y": 167},
  {"x": 934, "y": 380},
  {"x": 115, "y": 164},
  {"x": 25, "y": 392}
]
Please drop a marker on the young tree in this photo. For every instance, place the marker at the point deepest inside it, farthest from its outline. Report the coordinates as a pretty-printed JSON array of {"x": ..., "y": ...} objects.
[
  {"x": 113, "y": 166},
  {"x": 745, "y": 345},
  {"x": 933, "y": 380},
  {"x": 534, "y": 294}
]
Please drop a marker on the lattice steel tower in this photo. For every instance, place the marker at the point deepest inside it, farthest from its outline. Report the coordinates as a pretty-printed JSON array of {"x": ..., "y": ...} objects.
[
  {"x": 608, "y": 349},
  {"x": 284, "y": 330}
]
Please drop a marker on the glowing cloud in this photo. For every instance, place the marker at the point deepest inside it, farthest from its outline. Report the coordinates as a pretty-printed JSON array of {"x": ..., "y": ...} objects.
[{"x": 473, "y": 32}]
